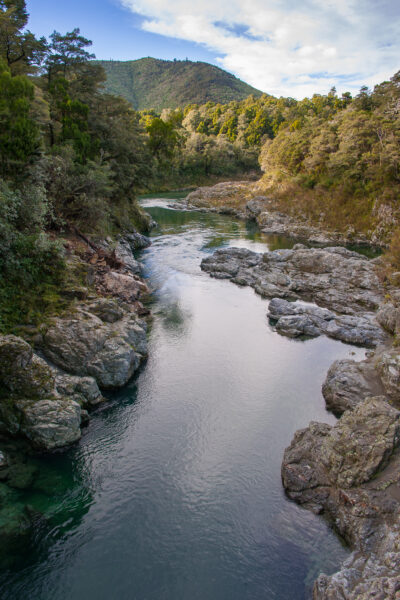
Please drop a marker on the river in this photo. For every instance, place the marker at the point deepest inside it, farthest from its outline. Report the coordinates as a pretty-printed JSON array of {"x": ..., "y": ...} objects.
[{"x": 174, "y": 491}]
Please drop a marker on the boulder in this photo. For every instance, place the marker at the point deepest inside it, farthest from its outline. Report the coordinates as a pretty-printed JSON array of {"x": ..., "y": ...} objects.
[
  {"x": 137, "y": 241},
  {"x": 83, "y": 390},
  {"x": 388, "y": 317},
  {"x": 50, "y": 423},
  {"x": 348, "y": 383},
  {"x": 294, "y": 320},
  {"x": 21, "y": 371},
  {"x": 123, "y": 252},
  {"x": 84, "y": 345},
  {"x": 123, "y": 286},
  {"x": 388, "y": 367}
]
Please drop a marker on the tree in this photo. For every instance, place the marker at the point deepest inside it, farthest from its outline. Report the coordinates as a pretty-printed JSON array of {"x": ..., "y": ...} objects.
[
  {"x": 19, "y": 49},
  {"x": 66, "y": 52},
  {"x": 19, "y": 134}
]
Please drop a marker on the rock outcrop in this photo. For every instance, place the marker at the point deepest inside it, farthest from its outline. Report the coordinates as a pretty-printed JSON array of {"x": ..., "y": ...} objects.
[
  {"x": 349, "y": 382},
  {"x": 98, "y": 343},
  {"x": 242, "y": 200},
  {"x": 295, "y": 320},
  {"x": 351, "y": 473},
  {"x": 335, "y": 278},
  {"x": 30, "y": 404},
  {"x": 342, "y": 281},
  {"x": 85, "y": 345},
  {"x": 227, "y": 198}
]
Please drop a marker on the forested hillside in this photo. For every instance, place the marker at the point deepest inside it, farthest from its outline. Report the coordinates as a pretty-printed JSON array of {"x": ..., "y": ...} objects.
[
  {"x": 341, "y": 168},
  {"x": 153, "y": 83}
]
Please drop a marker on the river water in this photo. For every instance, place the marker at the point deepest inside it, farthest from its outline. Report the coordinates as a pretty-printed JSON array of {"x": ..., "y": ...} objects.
[{"x": 174, "y": 492}]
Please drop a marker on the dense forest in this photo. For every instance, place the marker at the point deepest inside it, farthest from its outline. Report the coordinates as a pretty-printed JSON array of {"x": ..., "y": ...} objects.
[
  {"x": 74, "y": 157},
  {"x": 339, "y": 163},
  {"x": 154, "y": 83}
]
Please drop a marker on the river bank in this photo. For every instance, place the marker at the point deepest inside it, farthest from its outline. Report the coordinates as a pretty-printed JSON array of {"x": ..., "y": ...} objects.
[
  {"x": 54, "y": 378},
  {"x": 246, "y": 200},
  {"x": 350, "y": 472}
]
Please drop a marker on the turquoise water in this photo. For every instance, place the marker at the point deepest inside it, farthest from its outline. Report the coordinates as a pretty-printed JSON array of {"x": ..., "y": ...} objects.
[{"x": 174, "y": 492}]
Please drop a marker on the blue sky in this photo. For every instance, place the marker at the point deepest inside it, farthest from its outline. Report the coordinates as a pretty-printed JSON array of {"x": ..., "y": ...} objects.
[
  {"x": 283, "y": 47},
  {"x": 115, "y": 31}
]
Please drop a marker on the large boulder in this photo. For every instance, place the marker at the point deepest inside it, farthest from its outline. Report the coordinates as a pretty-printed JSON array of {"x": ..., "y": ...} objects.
[
  {"x": 343, "y": 456},
  {"x": 348, "y": 383},
  {"x": 50, "y": 423},
  {"x": 30, "y": 403},
  {"x": 83, "y": 344}
]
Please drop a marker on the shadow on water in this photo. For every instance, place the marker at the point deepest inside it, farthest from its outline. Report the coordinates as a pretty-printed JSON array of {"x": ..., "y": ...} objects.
[{"x": 174, "y": 491}]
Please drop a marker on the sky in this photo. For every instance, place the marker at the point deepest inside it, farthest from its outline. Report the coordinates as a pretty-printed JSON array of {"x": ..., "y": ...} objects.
[{"x": 282, "y": 47}]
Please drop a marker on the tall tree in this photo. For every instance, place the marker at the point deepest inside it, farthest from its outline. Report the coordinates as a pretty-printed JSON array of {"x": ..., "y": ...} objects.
[{"x": 21, "y": 51}]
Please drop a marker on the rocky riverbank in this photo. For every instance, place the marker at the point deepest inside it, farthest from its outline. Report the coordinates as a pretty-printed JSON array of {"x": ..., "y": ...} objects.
[
  {"x": 50, "y": 381},
  {"x": 244, "y": 200},
  {"x": 349, "y": 472},
  {"x": 344, "y": 283}
]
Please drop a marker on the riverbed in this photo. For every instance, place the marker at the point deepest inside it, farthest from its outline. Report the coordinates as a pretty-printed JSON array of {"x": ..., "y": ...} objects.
[{"x": 174, "y": 492}]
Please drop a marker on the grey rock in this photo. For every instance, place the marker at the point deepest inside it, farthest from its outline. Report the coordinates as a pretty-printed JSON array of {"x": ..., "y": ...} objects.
[
  {"x": 388, "y": 367},
  {"x": 351, "y": 472},
  {"x": 21, "y": 371},
  {"x": 84, "y": 390},
  {"x": 388, "y": 317},
  {"x": 123, "y": 286},
  {"x": 123, "y": 252},
  {"x": 255, "y": 206},
  {"x": 106, "y": 309},
  {"x": 50, "y": 423},
  {"x": 335, "y": 278},
  {"x": 82, "y": 344},
  {"x": 347, "y": 455},
  {"x": 137, "y": 241},
  {"x": 348, "y": 383}
]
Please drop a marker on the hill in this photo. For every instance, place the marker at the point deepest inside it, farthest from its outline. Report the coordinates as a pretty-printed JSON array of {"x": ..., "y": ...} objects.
[{"x": 153, "y": 83}]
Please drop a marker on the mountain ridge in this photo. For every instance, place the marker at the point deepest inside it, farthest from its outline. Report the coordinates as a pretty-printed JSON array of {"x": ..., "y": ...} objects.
[{"x": 152, "y": 83}]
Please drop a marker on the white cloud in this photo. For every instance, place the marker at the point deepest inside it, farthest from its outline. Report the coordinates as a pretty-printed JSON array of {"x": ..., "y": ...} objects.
[{"x": 287, "y": 47}]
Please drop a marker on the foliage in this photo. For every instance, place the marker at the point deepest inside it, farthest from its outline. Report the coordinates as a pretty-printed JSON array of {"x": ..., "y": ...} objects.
[
  {"x": 341, "y": 162},
  {"x": 19, "y": 134}
]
